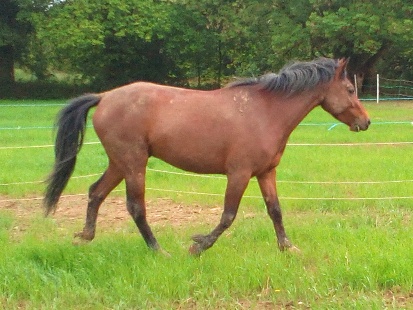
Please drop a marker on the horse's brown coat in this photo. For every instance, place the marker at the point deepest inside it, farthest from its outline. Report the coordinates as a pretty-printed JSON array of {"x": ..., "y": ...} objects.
[{"x": 240, "y": 131}]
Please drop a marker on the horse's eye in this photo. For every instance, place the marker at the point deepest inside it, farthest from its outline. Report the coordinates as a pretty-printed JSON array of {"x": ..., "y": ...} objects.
[{"x": 351, "y": 91}]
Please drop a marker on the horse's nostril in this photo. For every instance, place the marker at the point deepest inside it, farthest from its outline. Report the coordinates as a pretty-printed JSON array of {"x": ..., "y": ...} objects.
[{"x": 368, "y": 122}]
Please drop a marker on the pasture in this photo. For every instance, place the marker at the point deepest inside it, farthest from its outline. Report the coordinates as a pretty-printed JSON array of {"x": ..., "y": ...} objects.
[{"x": 347, "y": 201}]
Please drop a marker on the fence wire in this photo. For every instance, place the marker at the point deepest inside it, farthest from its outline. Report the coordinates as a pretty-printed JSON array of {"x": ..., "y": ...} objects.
[{"x": 400, "y": 89}]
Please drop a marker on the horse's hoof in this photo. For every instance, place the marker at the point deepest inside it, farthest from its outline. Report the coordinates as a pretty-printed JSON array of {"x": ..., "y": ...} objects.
[
  {"x": 287, "y": 246},
  {"x": 195, "y": 249},
  {"x": 85, "y": 237}
]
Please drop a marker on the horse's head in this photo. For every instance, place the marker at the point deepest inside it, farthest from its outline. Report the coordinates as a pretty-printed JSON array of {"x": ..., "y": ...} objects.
[{"x": 341, "y": 100}]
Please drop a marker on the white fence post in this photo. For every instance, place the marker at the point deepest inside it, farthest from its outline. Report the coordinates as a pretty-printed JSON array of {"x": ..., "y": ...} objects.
[
  {"x": 355, "y": 83},
  {"x": 378, "y": 89}
]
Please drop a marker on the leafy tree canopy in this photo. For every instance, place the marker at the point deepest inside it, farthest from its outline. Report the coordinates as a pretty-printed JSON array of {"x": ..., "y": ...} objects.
[
  {"x": 112, "y": 42},
  {"x": 109, "y": 41}
]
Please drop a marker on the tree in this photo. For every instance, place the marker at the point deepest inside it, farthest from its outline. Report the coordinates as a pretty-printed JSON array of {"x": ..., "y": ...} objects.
[
  {"x": 206, "y": 34},
  {"x": 14, "y": 32},
  {"x": 273, "y": 34},
  {"x": 190, "y": 44},
  {"x": 18, "y": 40},
  {"x": 366, "y": 31},
  {"x": 110, "y": 42}
]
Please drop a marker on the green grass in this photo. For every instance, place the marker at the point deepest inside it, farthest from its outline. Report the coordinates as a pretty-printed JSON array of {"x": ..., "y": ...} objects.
[
  {"x": 349, "y": 262},
  {"x": 355, "y": 254}
]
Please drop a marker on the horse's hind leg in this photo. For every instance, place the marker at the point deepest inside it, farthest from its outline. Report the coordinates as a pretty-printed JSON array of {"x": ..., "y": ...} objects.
[
  {"x": 135, "y": 195},
  {"x": 97, "y": 193}
]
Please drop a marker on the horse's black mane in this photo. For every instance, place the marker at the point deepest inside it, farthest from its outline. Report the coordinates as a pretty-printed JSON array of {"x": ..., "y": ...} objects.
[{"x": 295, "y": 77}]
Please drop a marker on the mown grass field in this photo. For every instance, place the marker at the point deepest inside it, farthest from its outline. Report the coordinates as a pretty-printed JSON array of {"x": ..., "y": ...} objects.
[{"x": 355, "y": 240}]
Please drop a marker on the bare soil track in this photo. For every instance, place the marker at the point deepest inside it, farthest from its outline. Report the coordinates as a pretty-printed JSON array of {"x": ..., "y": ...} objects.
[{"x": 113, "y": 213}]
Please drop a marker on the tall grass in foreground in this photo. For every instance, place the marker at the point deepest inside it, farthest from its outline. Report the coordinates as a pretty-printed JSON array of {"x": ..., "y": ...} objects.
[{"x": 352, "y": 261}]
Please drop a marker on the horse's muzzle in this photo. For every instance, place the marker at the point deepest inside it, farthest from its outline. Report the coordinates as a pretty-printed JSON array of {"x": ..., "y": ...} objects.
[{"x": 360, "y": 125}]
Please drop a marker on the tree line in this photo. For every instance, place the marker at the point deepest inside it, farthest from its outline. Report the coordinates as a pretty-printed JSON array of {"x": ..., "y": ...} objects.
[{"x": 200, "y": 43}]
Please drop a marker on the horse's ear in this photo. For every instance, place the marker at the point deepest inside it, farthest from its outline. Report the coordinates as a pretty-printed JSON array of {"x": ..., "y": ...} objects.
[{"x": 341, "y": 68}]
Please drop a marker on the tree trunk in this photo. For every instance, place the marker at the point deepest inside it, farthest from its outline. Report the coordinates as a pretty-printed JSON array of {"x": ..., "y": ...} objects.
[
  {"x": 219, "y": 71},
  {"x": 364, "y": 69},
  {"x": 6, "y": 66}
]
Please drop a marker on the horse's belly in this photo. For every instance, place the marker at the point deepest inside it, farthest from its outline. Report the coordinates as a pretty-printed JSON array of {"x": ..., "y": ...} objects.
[{"x": 191, "y": 158}]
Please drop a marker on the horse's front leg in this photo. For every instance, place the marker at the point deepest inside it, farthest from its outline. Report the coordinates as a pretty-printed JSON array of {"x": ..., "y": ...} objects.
[
  {"x": 237, "y": 183},
  {"x": 267, "y": 185}
]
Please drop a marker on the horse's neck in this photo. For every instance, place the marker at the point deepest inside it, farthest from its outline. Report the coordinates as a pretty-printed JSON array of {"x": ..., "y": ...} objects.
[{"x": 297, "y": 107}]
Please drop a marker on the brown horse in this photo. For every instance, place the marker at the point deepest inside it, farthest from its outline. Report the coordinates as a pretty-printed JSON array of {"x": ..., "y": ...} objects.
[{"x": 240, "y": 131}]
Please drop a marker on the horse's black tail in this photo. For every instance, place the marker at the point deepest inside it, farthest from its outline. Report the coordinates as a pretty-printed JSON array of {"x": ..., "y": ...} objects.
[{"x": 71, "y": 126}]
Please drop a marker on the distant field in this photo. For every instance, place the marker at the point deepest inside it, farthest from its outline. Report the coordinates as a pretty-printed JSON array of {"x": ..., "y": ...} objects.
[{"x": 347, "y": 201}]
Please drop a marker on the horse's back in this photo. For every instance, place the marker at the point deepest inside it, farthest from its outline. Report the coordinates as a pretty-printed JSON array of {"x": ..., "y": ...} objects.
[
  {"x": 148, "y": 106},
  {"x": 193, "y": 130}
]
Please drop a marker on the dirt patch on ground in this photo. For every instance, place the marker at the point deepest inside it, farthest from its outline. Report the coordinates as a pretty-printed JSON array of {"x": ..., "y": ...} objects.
[{"x": 113, "y": 213}]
